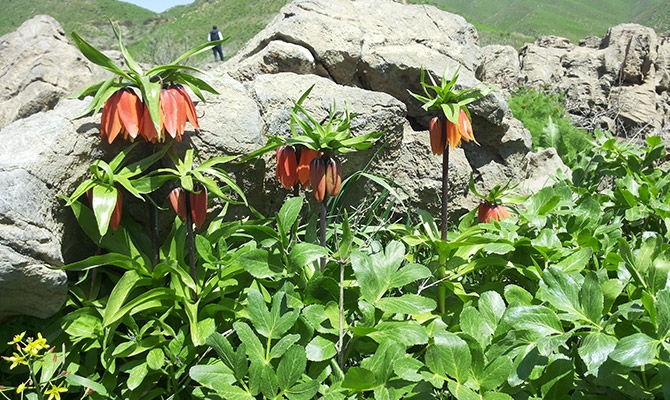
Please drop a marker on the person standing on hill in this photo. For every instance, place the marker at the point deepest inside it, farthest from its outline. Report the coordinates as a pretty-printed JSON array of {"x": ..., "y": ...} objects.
[{"x": 214, "y": 34}]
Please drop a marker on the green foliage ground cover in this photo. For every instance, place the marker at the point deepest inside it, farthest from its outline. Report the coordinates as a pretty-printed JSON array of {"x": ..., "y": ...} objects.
[{"x": 569, "y": 298}]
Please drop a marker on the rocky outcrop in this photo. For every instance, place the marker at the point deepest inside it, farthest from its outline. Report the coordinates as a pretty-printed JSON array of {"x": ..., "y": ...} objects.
[
  {"x": 618, "y": 83},
  {"x": 360, "y": 55}
]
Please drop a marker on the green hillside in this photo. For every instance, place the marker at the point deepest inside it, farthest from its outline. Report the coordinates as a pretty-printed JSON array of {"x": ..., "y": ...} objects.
[
  {"x": 158, "y": 38},
  {"x": 522, "y": 21}
]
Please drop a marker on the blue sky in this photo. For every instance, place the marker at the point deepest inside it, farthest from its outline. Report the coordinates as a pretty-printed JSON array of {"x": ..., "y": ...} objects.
[{"x": 158, "y": 5}]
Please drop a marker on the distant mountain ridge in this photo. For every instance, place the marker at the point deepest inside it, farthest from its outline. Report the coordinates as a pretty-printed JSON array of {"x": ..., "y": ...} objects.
[{"x": 158, "y": 38}]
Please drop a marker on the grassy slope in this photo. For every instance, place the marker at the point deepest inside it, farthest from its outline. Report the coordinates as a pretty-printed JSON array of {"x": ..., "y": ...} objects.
[
  {"x": 158, "y": 38},
  {"x": 523, "y": 20}
]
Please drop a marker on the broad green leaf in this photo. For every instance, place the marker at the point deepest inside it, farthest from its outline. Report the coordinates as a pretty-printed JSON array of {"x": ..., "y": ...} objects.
[
  {"x": 595, "y": 349},
  {"x": 381, "y": 362},
  {"x": 537, "y": 320},
  {"x": 255, "y": 349},
  {"x": 288, "y": 214},
  {"x": 591, "y": 298},
  {"x": 76, "y": 380},
  {"x": 291, "y": 367},
  {"x": 124, "y": 286},
  {"x": 320, "y": 349},
  {"x": 495, "y": 373},
  {"x": 409, "y": 333},
  {"x": 516, "y": 295},
  {"x": 217, "y": 376},
  {"x": 155, "y": 358},
  {"x": 303, "y": 391},
  {"x": 408, "y": 368},
  {"x": 303, "y": 254},
  {"x": 449, "y": 356},
  {"x": 492, "y": 306},
  {"x": 475, "y": 325},
  {"x": 663, "y": 313},
  {"x": 82, "y": 323},
  {"x": 635, "y": 350},
  {"x": 408, "y": 274},
  {"x": 282, "y": 345},
  {"x": 561, "y": 291},
  {"x": 103, "y": 204},
  {"x": 136, "y": 375},
  {"x": 576, "y": 261},
  {"x": 411, "y": 304},
  {"x": 462, "y": 392},
  {"x": 260, "y": 263},
  {"x": 497, "y": 396},
  {"x": 262, "y": 319},
  {"x": 359, "y": 379},
  {"x": 369, "y": 282}
]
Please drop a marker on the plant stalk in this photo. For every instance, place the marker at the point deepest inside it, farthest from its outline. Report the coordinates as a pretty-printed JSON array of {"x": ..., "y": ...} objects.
[
  {"x": 190, "y": 238},
  {"x": 322, "y": 229},
  {"x": 445, "y": 182},
  {"x": 340, "y": 341}
]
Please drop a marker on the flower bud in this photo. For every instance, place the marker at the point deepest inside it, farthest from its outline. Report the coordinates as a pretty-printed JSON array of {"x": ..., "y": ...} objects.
[
  {"x": 317, "y": 178},
  {"x": 287, "y": 166},
  {"x": 333, "y": 176},
  {"x": 178, "y": 202},
  {"x": 437, "y": 139},
  {"x": 199, "y": 205},
  {"x": 306, "y": 157}
]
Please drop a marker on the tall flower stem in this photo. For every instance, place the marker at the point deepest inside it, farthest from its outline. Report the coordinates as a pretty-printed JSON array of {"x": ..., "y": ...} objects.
[
  {"x": 322, "y": 229},
  {"x": 190, "y": 238},
  {"x": 445, "y": 182},
  {"x": 442, "y": 270}
]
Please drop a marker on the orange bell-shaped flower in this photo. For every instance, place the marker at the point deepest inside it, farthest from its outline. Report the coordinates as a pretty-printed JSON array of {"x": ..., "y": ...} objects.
[
  {"x": 333, "y": 176},
  {"x": 437, "y": 138},
  {"x": 181, "y": 95},
  {"x": 199, "y": 205},
  {"x": 306, "y": 157},
  {"x": 461, "y": 130},
  {"x": 122, "y": 114},
  {"x": 198, "y": 201},
  {"x": 317, "y": 178},
  {"x": 488, "y": 212},
  {"x": 287, "y": 166}
]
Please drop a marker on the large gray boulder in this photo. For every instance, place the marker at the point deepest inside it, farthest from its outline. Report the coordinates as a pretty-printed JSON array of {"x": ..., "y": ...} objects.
[
  {"x": 38, "y": 67},
  {"x": 618, "y": 82},
  {"x": 362, "y": 56}
]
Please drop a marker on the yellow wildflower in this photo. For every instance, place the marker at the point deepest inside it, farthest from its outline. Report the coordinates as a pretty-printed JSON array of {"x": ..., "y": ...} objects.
[
  {"x": 55, "y": 391},
  {"x": 21, "y": 388},
  {"x": 17, "y": 338},
  {"x": 35, "y": 345},
  {"x": 16, "y": 359}
]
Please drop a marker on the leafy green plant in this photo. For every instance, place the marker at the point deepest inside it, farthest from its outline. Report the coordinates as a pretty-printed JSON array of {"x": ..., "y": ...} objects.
[{"x": 544, "y": 116}]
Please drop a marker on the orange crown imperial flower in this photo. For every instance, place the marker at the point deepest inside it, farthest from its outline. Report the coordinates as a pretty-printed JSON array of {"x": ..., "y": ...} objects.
[
  {"x": 325, "y": 176},
  {"x": 305, "y": 158},
  {"x": 488, "y": 212},
  {"x": 287, "y": 166},
  {"x": 198, "y": 202},
  {"x": 122, "y": 114}
]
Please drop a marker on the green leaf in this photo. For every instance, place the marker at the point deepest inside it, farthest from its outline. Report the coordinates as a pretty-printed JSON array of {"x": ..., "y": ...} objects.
[
  {"x": 462, "y": 392},
  {"x": 562, "y": 292},
  {"x": 254, "y": 348},
  {"x": 495, "y": 373},
  {"x": 103, "y": 204},
  {"x": 303, "y": 391},
  {"x": 76, "y": 380},
  {"x": 359, "y": 379},
  {"x": 260, "y": 263},
  {"x": 595, "y": 349},
  {"x": 136, "y": 375},
  {"x": 663, "y": 313},
  {"x": 407, "y": 368},
  {"x": 291, "y": 367},
  {"x": 537, "y": 320},
  {"x": 288, "y": 214},
  {"x": 117, "y": 297},
  {"x": 283, "y": 345},
  {"x": 576, "y": 261},
  {"x": 591, "y": 298},
  {"x": 635, "y": 350},
  {"x": 408, "y": 274},
  {"x": 217, "y": 376},
  {"x": 320, "y": 349},
  {"x": 303, "y": 254},
  {"x": 155, "y": 358},
  {"x": 449, "y": 356},
  {"x": 410, "y": 304},
  {"x": 409, "y": 333}
]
